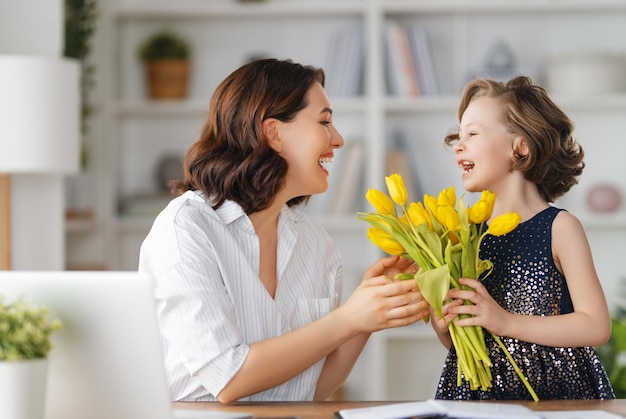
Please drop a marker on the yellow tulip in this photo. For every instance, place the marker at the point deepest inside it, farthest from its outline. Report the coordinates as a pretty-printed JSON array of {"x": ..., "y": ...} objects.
[
  {"x": 430, "y": 202},
  {"x": 445, "y": 246},
  {"x": 384, "y": 241},
  {"x": 447, "y": 197},
  {"x": 488, "y": 196},
  {"x": 448, "y": 216},
  {"x": 380, "y": 201},
  {"x": 418, "y": 215},
  {"x": 482, "y": 209},
  {"x": 397, "y": 190},
  {"x": 504, "y": 223}
]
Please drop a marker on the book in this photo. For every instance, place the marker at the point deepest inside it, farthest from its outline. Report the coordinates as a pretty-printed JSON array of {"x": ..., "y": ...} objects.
[
  {"x": 423, "y": 61},
  {"x": 440, "y": 409},
  {"x": 344, "y": 62},
  {"x": 396, "y": 80}
]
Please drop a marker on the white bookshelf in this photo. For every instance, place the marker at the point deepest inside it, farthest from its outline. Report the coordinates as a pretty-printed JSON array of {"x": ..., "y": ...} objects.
[{"x": 129, "y": 132}]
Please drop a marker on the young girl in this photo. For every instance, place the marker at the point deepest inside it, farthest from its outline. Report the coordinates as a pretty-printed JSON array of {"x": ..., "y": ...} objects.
[
  {"x": 543, "y": 297},
  {"x": 248, "y": 287}
]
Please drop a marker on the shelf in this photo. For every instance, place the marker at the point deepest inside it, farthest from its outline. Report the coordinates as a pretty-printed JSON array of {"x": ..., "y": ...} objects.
[
  {"x": 217, "y": 10},
  {"x": 164, "y": 108},
  {"x": 449, "y": 103},
  {"x": 615, "y": 220},
  {"x": 196, "y": 107},
  {"x": 501, "y": 6},
  {"x": 80, "y": 226},
  {"x": 133, "y": 224}
]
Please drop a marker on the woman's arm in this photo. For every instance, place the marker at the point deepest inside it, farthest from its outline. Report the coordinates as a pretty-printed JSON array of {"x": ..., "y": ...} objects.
[
  {"x": 377, "y": 303},
  {"x": 588, "y": 325},
  {"x": 340, "y": 362}
]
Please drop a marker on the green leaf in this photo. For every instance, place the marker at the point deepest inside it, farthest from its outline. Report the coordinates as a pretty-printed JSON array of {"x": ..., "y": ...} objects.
[{"x": 434, "y": 285}]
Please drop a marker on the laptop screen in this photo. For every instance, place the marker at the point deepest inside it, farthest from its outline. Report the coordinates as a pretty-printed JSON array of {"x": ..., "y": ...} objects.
[{"x": 106, "y": 362}]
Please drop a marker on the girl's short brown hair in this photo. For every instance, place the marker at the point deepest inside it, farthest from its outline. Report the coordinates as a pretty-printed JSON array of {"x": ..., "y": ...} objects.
[{"x": 555, "y": 159}]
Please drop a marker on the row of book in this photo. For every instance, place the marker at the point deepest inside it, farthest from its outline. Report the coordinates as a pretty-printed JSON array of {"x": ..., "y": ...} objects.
[
  {"x": 344, "y": 64},
  {"x": 410, "y": 69}
]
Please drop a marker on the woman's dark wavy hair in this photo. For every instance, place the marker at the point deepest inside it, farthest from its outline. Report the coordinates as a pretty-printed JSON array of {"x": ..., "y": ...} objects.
[
  {"x": 555, "y": 159},
  {"x": 232, "y": 159}
]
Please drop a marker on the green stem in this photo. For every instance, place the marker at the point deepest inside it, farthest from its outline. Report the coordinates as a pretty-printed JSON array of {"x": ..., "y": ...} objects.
[
  {"x": 460, "y": 354},
  {"x": 516, "y": 368}
]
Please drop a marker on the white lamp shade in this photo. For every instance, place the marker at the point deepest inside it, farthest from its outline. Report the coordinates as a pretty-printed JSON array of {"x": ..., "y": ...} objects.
[{"x": 39, "y": 115}]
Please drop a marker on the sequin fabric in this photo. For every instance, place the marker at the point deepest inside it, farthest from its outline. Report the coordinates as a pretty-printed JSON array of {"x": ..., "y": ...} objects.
[{"x": 526, "y": 281}]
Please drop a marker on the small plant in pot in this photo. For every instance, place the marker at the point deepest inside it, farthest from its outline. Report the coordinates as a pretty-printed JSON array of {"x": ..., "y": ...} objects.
[
  {"x": 166, "y": 56},
  {"x": 25, "y": 342}
]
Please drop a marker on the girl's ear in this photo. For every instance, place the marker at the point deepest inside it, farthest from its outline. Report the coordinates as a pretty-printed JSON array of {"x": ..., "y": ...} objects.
[
  {"x": 270, "y": 130},
  {"x": 520, "y": 146}
]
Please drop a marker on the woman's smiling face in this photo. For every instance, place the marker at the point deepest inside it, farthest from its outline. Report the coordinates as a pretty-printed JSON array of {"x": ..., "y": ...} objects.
[{"x": 308, "y": 143}]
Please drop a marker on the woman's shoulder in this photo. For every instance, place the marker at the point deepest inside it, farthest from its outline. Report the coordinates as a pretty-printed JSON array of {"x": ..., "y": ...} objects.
[{"x": 191, "y": 206}]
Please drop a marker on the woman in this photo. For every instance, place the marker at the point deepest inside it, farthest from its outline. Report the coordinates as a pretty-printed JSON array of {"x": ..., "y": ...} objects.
[{"x": 248, "y": 287}]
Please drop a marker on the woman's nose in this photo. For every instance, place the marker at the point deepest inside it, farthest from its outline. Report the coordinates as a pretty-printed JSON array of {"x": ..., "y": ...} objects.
[{"x": 336, "y": 140}]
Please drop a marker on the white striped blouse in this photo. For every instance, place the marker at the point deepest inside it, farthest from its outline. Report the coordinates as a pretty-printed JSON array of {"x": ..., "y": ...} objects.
[{"x": 211, "y": 303}]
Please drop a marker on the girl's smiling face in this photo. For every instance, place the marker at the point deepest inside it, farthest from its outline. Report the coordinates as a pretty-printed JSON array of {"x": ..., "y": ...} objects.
[
  {"x": 307, "y": 143},
  {"x": 484, "y": 151}
]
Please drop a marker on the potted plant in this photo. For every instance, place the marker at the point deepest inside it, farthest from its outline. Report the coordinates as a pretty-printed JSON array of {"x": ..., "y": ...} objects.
[
  {"x": 25, "y": 332},
  {"x": 166, "y": 56}
]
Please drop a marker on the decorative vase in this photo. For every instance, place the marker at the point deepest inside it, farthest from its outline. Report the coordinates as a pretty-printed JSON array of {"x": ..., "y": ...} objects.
[
  {"x": 604, "y": 198},
  {"x": 23, "y": 389},
  {"x": 167, "y": 79}
]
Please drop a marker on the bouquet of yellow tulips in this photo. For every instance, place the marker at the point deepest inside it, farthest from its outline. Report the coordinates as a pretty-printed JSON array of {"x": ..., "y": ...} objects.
[{"x": 442, "y": 236}]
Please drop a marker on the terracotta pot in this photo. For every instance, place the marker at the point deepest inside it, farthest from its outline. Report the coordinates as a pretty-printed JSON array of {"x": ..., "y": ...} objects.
[{"x": 167, "y": 79}]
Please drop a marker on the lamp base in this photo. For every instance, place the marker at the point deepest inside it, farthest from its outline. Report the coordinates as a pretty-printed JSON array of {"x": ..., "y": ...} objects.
[{"x": 5, "y": 222}]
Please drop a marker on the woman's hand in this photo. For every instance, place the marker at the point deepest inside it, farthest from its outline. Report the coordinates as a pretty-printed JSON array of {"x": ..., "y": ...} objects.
[{"x": 381, "y": 302}]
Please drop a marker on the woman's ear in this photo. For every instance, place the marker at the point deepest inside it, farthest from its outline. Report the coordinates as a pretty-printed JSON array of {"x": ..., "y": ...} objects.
[{"x": 270, "y": 130}]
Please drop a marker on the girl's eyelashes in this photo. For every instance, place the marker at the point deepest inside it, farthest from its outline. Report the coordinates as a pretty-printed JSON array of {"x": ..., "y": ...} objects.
[{"x": 325, "y": 123}]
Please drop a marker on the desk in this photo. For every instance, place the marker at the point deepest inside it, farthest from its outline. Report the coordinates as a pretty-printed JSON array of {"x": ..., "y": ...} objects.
[{"x": 326, "y": 410}]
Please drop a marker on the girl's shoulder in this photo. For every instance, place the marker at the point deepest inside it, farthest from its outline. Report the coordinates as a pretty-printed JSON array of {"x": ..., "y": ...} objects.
[{"x": 565, "y": 221}]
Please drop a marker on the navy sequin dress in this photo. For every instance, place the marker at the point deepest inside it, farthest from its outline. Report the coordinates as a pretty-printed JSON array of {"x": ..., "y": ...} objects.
[{"x": 526, "y": 281}]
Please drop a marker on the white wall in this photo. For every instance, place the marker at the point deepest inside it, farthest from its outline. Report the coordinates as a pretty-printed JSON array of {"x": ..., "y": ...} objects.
[{"x": 35, "y": 27}]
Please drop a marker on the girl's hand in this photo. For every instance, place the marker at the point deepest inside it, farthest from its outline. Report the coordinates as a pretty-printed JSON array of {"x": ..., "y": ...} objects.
[{"x": 485, "y": 311}]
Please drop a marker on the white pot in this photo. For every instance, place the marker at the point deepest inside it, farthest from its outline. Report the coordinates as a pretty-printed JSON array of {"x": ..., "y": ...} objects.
[
  {"x": 585, "y": 73},
  {"x": 23, "y": 389}
]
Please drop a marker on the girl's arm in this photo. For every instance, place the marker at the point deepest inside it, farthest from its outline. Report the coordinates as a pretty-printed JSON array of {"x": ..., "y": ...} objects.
[
  {"x": 588, "y": 325},
  {"x": 440, "y": 325},
  {"x": 377, "y": 303}
]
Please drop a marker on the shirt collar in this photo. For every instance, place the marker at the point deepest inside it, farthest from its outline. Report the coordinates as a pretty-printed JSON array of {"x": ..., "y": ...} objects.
[{"x": 230, "y": 211}]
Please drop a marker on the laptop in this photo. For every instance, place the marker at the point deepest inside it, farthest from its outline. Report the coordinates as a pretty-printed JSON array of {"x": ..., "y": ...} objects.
[{"x": 107, "y": 360}]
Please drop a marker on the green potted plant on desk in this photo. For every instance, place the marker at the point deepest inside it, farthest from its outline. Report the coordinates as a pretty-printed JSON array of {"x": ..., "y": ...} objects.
[
  {"x": 25, "y": 332},
  {"x": 166, "y": 56}
]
